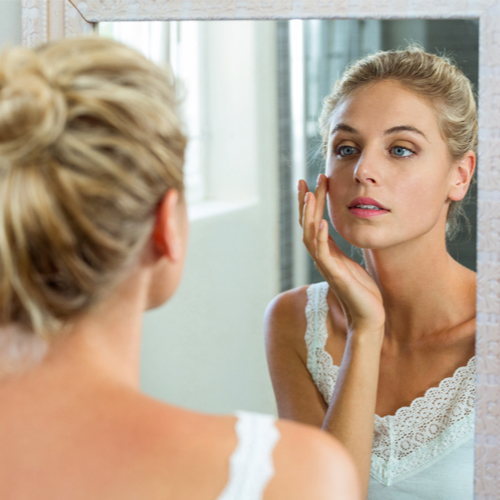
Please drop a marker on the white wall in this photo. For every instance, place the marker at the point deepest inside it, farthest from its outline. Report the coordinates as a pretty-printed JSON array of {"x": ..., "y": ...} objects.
[
  {"x": 205, "y": 350},
  {"x": 10, "y": 22}
]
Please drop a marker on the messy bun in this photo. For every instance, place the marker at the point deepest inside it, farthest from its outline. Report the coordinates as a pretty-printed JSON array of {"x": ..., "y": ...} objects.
[{"x": 89, "y": 144}]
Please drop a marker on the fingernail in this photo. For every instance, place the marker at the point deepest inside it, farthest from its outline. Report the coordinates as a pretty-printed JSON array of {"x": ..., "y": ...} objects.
[
  {"x": 298, "y": 186},
  {"x": 318, "y": 182},
  {"x": 321, "y": 224},
  {"x": 307, "y": 197}
]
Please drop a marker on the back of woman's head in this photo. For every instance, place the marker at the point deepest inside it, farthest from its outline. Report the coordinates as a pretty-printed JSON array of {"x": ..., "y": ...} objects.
[
  {"x": 429, "y": 76},
  {"x": 89, "y": 144}
]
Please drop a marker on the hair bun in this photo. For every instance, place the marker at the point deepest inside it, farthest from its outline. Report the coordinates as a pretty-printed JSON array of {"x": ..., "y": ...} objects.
[
  {"x": 32, "y": 110},
  {"x": 90, "y": 142}
]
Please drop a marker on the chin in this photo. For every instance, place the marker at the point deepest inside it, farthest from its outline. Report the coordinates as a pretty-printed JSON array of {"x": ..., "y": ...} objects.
[
  {"x": 365, "y": 238},
  {"x": 367, "y": 244}
]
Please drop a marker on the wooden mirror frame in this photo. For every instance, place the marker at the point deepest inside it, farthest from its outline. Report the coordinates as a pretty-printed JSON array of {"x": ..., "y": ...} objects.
[{"x": 44, "y": 20}]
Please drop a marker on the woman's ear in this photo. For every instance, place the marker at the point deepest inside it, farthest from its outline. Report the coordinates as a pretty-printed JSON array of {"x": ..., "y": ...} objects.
[
  {"x": 462, "y": 176},
  {"x": 168, "y": 231}
]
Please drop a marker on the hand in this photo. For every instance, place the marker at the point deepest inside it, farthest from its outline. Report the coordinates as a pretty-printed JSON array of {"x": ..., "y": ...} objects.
[{"x": 355, "y": 289}]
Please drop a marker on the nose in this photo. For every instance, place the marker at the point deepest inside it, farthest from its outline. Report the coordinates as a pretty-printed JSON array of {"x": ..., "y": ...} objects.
[{"x": 366, "y": 171}]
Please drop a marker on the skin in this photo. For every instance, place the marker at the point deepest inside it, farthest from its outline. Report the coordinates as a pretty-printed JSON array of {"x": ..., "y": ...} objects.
[
  {"x": 407, "y": 321},
  {"x": 76, "y": 426}
]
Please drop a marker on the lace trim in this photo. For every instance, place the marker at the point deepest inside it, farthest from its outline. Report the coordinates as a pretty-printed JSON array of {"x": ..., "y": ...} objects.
[
  {"x": 251, "y": 464},
  {"x": 393, "y": 470},
  {"x": 319, "y": 362},
  {"x": 417, "y": 435}
]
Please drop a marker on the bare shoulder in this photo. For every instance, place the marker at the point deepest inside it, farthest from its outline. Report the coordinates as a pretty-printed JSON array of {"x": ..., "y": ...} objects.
[
  {"x": 311, "y": 464},
  {"x": 294, "y": 300},
  {"x": 285, "y": 319},
  {"x": 194, "y": 432},
  {"x": 297, "y": 396},
  {"x": 129, "y": 446},
  {"x": 167, "y": 447},
  {"x": 308, "y": 463}
]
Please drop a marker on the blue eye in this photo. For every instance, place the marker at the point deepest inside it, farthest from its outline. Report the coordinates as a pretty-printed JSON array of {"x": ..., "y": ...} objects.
[
  {"x": 346, "y": 151},
  {"x": 402, "y": 152}
]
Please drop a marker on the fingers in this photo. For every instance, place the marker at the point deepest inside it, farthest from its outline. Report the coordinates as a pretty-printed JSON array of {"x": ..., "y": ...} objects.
[
  {"x": 332, "y": 263},
  {"x": 302, "y": 191},
  {"x": 311, "y": 207},
  {"x": 320, "y": 194},
  {"x": 325, "y": 244},
  {"x": 309, "y": 227},
  {"x": 323, "y": 260},
  {"x": 327, "y": 249}
]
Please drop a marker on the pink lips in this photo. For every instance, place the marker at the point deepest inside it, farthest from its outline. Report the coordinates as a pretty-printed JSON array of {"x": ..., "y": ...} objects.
[{"x": 366, "y": 213}]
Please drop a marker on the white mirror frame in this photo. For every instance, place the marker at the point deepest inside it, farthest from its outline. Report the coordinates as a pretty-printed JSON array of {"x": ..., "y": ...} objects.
[{"x": 44, "y": 20}]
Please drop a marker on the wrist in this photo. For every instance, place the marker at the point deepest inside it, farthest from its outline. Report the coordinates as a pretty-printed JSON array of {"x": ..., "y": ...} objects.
[{"x": 369, "y": 337}]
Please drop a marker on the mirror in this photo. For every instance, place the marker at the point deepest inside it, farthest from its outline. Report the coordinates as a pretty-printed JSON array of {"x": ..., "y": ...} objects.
[
  {"x": 315, "y": 52},
  {"x": 221, "y": 70},
  {"x": 488, "y": 306}
]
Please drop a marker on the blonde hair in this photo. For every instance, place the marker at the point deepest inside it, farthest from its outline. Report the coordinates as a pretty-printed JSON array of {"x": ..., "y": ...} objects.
[
  {"x": 90, "y": 142},
  {"x": 430, "y": 76}
]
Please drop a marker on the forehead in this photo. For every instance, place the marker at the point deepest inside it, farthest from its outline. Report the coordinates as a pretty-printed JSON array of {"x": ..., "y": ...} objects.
[{"x": 375, "y": 108}]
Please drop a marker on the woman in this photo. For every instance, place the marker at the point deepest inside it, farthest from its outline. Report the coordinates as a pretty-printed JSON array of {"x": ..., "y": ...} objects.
[
  {"x": 93, "y": 231},
  {"x": 383, "y": 357}
]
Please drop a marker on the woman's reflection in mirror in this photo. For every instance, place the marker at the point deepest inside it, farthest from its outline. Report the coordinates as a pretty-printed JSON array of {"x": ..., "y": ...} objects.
[
  {"x": 93, "y": 231},
  {"x": 382, "y": 356}
]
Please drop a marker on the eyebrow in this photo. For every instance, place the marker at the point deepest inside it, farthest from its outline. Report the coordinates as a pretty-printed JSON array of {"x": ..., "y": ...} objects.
[
  {"x": 399, "y": 128},
  {"x": 405, "y": 128},
  {"x": 344, "y": 127}
]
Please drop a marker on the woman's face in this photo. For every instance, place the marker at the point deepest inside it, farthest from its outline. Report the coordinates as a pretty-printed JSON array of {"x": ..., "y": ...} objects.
[{"x": 390, "y": 175}]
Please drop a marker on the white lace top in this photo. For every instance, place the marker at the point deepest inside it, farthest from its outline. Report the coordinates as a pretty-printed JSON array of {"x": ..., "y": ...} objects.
[
  {"x": 424, "y": 434},
  {"x": 251, "y": 464}
]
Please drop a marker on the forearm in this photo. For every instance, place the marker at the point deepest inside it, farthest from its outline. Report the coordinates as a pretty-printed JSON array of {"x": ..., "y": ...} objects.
[{"x": 350, "y": 416}]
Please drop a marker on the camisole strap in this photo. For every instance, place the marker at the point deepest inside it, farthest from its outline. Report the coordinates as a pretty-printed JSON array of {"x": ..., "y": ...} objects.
[
  {"x": 251, "y": 464},
  {"x": 316, "y": 332},
  {"x": 319, "y": 362}
]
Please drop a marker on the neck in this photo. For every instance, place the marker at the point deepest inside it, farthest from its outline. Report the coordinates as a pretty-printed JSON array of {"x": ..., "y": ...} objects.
[
  {"x": 105, "y": 343},
  {"x": 423, "y": 289}
]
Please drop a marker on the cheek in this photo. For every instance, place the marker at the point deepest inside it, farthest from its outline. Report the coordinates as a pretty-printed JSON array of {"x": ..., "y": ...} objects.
[
  {"x": 420, "y": 205},
  {"x": 423, "y": 195}
]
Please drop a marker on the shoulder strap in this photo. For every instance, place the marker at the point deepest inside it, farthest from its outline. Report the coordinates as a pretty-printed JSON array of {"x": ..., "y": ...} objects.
[
  {"x": 316, "y": 334},
  {"x": 251, "y": 465}
]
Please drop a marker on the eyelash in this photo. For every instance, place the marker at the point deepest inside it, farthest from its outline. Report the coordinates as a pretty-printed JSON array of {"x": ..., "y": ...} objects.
[
  {"x": 407, "y": 149},
  {"x": 338, "y": 150}
]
